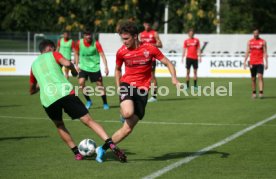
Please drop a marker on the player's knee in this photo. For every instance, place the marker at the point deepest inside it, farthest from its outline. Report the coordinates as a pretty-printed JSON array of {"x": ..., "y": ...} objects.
[{"x": 127, "y": 114}]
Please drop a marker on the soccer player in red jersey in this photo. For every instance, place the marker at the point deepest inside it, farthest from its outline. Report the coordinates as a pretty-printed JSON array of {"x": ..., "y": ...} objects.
[
  {"x": 57, "y": 94},
  {"x": 87, "y": 57},
  {"x": 257, "y": 49},
  {"x": 151, "y": 36},
  {"x": 65, "y": 46},
  {"x": 191, "y": 49},
  {"x": 135, "y": 82}
]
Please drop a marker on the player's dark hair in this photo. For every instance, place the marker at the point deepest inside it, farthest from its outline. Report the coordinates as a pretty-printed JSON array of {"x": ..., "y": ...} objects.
[
  {"x": 128, "y": 27},
  {"x": 45, "y": 43},
  {"x": 87, "y": 31},
  {"x": 148, "y": 20},
  {"x": 254, "y": 29},
  {"x": 191, "y": 30}
]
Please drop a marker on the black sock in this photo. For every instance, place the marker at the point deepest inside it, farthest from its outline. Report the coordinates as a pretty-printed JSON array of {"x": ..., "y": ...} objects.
[
  {"x": 75, "y": 150},
  {"x": 195, "y": 82},
  {"x": 188, "y": 83},
  {"x": 87, "y": 97},
  {"x": 104, "y": 99},
  {"x": 107, "y": 143},
  {"x": 154, "y": 93},
  {"x": 261, "y": 92},
  {"x": 254, "y": 92}
]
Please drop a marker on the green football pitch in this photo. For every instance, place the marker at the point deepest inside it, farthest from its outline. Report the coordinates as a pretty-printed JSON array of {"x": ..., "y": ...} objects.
[{"x": 173, "y": 130}]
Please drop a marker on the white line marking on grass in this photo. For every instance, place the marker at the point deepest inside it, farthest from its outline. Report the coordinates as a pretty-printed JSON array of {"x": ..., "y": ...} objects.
[
  {"x": 143, "y": 122},
  {"x": 202, "y": 151}
]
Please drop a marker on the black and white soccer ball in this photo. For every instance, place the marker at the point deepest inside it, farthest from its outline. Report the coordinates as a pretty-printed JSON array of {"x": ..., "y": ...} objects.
[{"x": 87, "y": 147}]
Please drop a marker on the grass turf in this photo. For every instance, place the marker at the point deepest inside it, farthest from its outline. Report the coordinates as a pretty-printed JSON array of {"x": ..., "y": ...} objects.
[{"x": 30, "y": 146}]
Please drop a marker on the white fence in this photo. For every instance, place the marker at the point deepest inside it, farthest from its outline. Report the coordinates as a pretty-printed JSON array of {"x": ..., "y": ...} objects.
[{"x": 211, "y": 66}]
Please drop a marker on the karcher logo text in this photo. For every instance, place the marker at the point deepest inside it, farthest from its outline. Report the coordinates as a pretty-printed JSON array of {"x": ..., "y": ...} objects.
[{"x": 226, "y": 64}]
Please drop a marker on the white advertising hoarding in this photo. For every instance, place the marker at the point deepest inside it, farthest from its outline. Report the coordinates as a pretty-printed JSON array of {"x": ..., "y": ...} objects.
[
  {"x": 17, "y": 65},
  {"x": 223, "y": 55}
]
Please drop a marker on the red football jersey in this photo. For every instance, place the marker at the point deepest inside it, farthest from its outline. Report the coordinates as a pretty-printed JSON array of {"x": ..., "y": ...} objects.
[
  {"x": 148, "y": 36},
  {"x": 192, "y": 45},
  {"x": 256, "y": 47},
  {"x": 138, "y": 64}
]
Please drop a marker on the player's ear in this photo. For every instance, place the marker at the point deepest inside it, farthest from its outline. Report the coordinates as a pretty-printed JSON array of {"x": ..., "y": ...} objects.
[{"x": 136, "y": 36}]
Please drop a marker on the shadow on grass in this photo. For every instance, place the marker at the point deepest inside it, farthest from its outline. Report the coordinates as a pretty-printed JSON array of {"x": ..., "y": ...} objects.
[
  {"x": 101, "y": 107},
  {"x": 11, "y": 105},
  {"x": 22, "y": 137},
  {"x": 269, "y": 97},
  {"x": 109, "y": 156},
  {"x": 181, "y": 155},
  {"x": 177, "y": 99}
]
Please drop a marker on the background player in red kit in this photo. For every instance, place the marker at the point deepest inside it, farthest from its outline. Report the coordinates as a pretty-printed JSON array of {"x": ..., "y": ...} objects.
[
  {"x": 257, "y": 49},
  {"x": 192, "y": 47},
  {"x": 135, "y": 83},
  {"x": 151, "y": 36}
]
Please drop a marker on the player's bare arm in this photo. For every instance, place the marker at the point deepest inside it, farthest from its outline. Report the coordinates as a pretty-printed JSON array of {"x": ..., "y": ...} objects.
[
  {"x": 76, "y": 58},
  {"x": 199, "y": 53},
  {"x": 69, "y": 65},
  {"x": 158, "y": 41},
  {"x": 171, "y": 69},
  {"x": 265, "y": 55},
  {"x": 183, "y": 55},
  {"x": 57, "y": 49},
  {"x": 118, "y": 75},
  {"x": 106, "y": 71},
  {"x": 246, "y": 55},
  {"x": 34, "y": 88}
]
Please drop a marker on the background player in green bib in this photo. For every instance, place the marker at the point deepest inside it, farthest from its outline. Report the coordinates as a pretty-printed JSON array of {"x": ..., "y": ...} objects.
[
  {"x": 57, "y": 94},
  {"x": 87, "y": 58},
  {"x": 65, "y": 46}
]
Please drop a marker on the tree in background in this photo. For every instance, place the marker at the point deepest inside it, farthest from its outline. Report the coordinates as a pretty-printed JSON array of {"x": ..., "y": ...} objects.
[
  {"x": 237, "y": 16},
  {"x": 242, "y": 16}
]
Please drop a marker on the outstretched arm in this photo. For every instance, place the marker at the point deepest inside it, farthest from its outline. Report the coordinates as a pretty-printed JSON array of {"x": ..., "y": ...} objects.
[
  {"x": 69, "y": 65},
  {"x": 171, "y": 69},
  {"x": 246, "y": 55},
  {"x": 105, "y": 63},
  {"x": 158, "y": 41}
]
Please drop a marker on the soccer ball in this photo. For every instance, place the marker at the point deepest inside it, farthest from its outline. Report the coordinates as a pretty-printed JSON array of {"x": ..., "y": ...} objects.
[{"x": 87, "y": 147}]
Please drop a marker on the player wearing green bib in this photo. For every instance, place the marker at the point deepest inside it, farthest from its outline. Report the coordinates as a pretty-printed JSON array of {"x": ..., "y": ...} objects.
[
  {"x": 65, "y": 46},
  {"x": 57, "y": 94},
  {"x": 87, "y": 57}
]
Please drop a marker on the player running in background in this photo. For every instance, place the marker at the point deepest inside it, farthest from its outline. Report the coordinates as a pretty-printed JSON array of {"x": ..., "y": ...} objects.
[
  {"x": 87, "y": 60},
  {"x": 57, "y": 94},
  {"x": 191, "y": 50},
  {"x": 135, "y": 82},
  {"x": 65, "y": 46},
  {"x": 257, "y": 49},
  {"x": 151, "y": 36}
]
